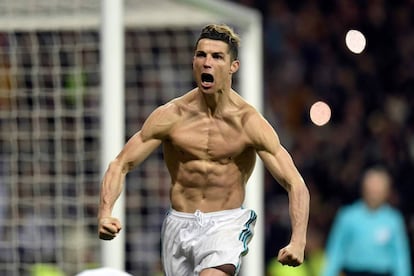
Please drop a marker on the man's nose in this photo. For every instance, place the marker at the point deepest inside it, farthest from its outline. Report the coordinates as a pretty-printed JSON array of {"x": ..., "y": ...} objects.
[{"x": 207, "y": 61}]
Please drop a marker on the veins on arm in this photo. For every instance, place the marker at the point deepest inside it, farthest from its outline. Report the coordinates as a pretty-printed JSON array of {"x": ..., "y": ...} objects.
[
  {"x": 135, "y": 151},
  {"x": 154, "y": 131},
  {"x": 280, "y": 164},
  {"x": 274, "y": 156}
]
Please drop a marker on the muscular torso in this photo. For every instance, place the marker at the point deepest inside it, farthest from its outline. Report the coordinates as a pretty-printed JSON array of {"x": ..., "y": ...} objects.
[{"x": 209, "y": 158}]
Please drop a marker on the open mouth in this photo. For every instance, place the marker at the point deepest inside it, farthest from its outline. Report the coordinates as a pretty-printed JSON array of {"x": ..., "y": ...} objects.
[{"x": 207, "y": 80}]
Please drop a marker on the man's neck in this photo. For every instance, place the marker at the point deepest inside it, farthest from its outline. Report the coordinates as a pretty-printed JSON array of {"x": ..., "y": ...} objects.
[{"x": 215, "y": 102}]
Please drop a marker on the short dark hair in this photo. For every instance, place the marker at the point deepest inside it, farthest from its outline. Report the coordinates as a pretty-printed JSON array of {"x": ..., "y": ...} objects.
[{"x": 223, "y": 33}]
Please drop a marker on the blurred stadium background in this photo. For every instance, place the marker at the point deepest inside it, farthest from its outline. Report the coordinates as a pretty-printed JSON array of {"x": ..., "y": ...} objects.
[{"x": 50, "y": 120}]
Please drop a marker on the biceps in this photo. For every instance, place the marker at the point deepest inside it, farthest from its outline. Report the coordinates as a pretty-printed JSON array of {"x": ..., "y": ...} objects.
[
  {"x": 136, "y": 150},
  {"x": 281, "y": 167}
]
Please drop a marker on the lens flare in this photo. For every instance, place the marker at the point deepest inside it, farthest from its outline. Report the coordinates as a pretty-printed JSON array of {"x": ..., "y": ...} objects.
[
  {"x": 355, "y": 41},
  {"x": 320, "y": 113}
]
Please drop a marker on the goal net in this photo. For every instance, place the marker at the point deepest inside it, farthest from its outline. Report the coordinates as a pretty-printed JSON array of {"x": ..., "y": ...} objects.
[{"x": 50, "y": 122}]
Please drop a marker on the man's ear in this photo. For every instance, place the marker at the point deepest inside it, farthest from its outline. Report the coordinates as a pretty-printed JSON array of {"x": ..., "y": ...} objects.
[{"x": 235, "y": 64}]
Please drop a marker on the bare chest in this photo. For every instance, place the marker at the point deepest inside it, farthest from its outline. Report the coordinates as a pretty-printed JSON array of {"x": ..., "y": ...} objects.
[{"x": 209, "y": 139}]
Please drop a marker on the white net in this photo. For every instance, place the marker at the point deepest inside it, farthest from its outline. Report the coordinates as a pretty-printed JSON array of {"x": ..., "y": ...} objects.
[
  {"x": 50, "y": 129},
  {"x": 50, "y": 120},
  {"x": 49, "y": 97}
]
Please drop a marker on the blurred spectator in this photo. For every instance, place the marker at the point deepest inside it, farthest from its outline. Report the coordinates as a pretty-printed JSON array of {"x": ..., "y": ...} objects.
[
  {"x": 368, "y": 237},
  {"x": 5, "y": 75}
]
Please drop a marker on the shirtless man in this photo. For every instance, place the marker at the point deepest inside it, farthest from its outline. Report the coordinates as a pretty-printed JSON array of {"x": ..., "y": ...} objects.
[{"x": 210, "y": 138}]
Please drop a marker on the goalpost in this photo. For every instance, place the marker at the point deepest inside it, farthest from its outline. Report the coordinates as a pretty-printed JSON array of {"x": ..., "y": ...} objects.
[
  {"x": 51, "y": 124},
  {"x": 248, "y": 23}
]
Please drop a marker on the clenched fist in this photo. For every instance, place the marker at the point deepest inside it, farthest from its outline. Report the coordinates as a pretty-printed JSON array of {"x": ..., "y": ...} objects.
[
  {"x": 291, "y": 255},
  {"x": 108, "y": 228}
]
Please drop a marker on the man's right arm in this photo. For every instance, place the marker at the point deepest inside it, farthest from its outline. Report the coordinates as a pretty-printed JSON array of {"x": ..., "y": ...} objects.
[{"x": 135, "y": 151}]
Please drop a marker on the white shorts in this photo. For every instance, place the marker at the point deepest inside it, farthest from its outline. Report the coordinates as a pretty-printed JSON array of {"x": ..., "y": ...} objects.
[{"x": 193, "y": 242}]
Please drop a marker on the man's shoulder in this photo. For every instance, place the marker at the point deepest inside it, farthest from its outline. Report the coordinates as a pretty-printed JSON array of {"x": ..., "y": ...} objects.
[
  {"x": 245, "y": 110},
  {"x": 241, "y": 102},
  {"x": 351, "y": 209},
  {"x": 175, "y": 105},
  {"x": 392, "y": 211},
  {"x": 182, "y": 103},
  {"x": 163, "y": 118}
]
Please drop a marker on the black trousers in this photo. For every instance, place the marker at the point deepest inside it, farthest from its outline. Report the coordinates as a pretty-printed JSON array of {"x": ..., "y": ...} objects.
[{"x": 364, "y": 273}]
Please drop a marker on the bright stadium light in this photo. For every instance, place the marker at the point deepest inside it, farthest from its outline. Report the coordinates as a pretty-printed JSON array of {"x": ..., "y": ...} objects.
[
  {"x": 355, "y": 41},
  {"x": 320, "y": 113}
]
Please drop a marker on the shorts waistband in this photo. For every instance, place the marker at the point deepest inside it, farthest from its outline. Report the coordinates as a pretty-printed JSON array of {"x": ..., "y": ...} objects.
[{"x": 198, "y": 213}]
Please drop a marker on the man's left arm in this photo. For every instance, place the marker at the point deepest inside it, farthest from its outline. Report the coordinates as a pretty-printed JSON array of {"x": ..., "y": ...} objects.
[{"x": 280, "y": 164}]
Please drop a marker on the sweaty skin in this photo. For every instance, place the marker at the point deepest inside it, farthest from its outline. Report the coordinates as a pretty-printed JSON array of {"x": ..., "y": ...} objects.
[
  {"x": 210, "y": 138},
  {"x": 209, "y": 157}
]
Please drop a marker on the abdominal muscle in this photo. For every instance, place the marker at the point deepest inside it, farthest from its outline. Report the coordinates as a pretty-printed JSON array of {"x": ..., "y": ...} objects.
[{"x": 207, "y": 186}]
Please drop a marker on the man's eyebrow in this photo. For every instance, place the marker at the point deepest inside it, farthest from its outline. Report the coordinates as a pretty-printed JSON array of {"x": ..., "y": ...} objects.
[{"x": 213, "y": 53}]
